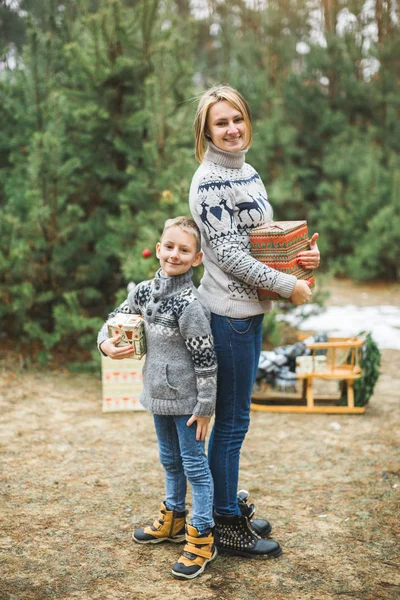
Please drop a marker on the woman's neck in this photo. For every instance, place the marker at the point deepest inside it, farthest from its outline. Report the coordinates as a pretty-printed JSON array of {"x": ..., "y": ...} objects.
[{"x": 231, "y": 160}]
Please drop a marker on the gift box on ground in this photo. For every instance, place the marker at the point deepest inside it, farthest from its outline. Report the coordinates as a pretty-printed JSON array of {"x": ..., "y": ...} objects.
[
  {"x": 277, "y": 245},
  {"x": 122, "y": 384},
  {"x": 131, "y": 329}
]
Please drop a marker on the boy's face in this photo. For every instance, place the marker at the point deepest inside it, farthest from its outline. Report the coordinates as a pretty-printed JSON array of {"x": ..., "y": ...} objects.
[{"x": 177, "y": 252}]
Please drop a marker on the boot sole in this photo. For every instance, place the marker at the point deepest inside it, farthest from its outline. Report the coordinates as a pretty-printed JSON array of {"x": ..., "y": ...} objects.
[
  {"x": 176, "y": 540},
  {"x": 273, "y": 554},
  {"x": 199, "y": 572}
]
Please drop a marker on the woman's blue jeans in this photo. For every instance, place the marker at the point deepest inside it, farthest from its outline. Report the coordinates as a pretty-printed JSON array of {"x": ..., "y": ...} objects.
[
  {"x": 184, "y": 459},
  {"x": 238, "y": 347}
]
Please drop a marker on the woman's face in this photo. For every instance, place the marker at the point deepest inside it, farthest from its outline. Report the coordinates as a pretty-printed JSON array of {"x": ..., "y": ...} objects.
[{"x": 226, "y": 127}]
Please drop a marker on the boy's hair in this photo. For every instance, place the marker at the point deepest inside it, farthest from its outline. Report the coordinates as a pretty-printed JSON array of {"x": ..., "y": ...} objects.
[
  {"x": 221, "y": 93},
  {"x": 185, "y": 224}
]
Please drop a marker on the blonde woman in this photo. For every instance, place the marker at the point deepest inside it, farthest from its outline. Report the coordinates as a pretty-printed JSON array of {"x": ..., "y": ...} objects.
[{"x": 227, "y": 200}]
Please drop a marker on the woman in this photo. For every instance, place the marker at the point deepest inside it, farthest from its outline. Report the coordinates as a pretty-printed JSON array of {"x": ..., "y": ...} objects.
[{"x": 227, "y": 200}]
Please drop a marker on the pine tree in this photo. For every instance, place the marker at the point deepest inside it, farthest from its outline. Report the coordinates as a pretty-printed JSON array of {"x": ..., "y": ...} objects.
[{"x": 96, "y": 144}]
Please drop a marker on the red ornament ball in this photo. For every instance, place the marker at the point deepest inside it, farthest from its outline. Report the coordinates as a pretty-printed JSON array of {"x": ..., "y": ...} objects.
[{"x": 146, "y": 253}]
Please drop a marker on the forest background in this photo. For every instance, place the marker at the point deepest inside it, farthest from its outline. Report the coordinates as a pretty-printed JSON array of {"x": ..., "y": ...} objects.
[{"x": 96, "y": 143}]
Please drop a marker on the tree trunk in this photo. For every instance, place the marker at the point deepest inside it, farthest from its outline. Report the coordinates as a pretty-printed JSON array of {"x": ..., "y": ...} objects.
[
  {"x": 330, "y": 12},
  {"x": 379, "y": 20}
]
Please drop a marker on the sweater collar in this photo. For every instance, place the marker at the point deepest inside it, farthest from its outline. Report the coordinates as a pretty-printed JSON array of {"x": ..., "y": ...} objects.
[
  {"x": 172, "y": 285},
  {"x": 231, "y": 160}
]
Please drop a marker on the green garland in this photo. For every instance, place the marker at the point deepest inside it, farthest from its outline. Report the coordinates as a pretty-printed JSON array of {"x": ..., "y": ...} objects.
[{"x": 370, "y": 363}]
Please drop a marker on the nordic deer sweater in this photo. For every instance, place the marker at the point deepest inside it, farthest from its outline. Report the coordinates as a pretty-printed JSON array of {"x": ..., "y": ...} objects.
[
  {"x": 227, "y": 200},
  {"x": 180, "y": 370}
]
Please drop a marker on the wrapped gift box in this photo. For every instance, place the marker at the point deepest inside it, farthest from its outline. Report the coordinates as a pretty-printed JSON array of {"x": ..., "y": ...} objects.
[
  {"x": 311, "y": 364},
  {"x": 122, "y": 384},
  {"x": 277, "y": 245},
  {"x": 131, "y": 329},
  {"x": 304, "y": 364}
]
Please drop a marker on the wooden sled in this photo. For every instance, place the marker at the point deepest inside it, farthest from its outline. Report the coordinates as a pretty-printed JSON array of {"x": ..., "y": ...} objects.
[{"x": 342, "y": 364}]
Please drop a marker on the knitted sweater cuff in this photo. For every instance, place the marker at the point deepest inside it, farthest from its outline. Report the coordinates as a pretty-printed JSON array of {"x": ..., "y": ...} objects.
[
  {"x": 284, "y": 285},
  {"x": 102, "y": 337},
  {"x": 204, "y": 409}
]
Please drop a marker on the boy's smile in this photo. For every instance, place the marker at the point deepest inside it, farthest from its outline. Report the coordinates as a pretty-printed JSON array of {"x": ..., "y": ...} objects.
[{"x": 177, "y": 252}]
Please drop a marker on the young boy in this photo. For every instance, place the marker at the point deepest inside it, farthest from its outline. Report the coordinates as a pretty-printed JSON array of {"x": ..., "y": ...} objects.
[{"x": 180, "y": 378}]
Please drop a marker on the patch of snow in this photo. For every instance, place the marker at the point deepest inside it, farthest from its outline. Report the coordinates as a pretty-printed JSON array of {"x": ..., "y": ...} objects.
[{"x": 383, "y": 322}]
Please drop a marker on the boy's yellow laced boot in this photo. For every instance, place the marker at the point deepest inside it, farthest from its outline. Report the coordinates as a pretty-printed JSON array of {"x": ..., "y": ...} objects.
[
  {"x": 198, "y": 551},
  {"x": 168, "y": 527}
]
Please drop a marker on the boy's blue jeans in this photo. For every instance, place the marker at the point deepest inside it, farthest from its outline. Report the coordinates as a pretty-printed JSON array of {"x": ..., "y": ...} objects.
[
  {"x": 184, "y": 459},
  {"x": 238, "y": 347}
]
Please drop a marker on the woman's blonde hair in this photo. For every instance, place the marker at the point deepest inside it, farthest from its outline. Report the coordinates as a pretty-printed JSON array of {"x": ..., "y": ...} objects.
[{"x": 222, "y": 93}]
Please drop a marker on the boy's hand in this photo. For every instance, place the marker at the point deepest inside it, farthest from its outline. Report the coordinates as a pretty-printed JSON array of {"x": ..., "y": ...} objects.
[
  {"x": 301, "y": 293},
  {"x": 202, "y": 426},
  {"x": 109, "y": 347}
]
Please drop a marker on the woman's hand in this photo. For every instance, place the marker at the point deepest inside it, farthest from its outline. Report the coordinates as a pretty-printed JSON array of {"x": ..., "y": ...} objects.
[
  {"x": 310, "y": 259},
  {"x": 202, "y": 426},
  {"x": 301, "y": 293},
  {"x": 109, "y": 347}
]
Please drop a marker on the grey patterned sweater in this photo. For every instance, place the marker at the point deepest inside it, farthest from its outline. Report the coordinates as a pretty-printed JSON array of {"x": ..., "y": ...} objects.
[
  {"x": 227, "y": 200},
  {"x": 180, "y": 370}
]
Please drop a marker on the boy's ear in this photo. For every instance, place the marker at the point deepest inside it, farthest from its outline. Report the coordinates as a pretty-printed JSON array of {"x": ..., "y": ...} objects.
[
  {"x": 197, "y": 260},
  {"x": 158, "y": 246}
]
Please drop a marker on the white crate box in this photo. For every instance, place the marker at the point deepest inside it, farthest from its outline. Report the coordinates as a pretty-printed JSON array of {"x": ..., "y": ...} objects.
[{"x": 122, "y": 384}]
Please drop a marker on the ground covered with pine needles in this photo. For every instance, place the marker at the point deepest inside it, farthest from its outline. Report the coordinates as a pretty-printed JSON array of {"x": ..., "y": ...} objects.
[{"x": 75, "y": 482}]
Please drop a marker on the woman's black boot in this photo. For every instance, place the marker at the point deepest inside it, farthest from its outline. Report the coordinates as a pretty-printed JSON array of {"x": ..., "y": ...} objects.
[
  {"x": 262, "y": 527},
  {"x": 234, "y": 535}
]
